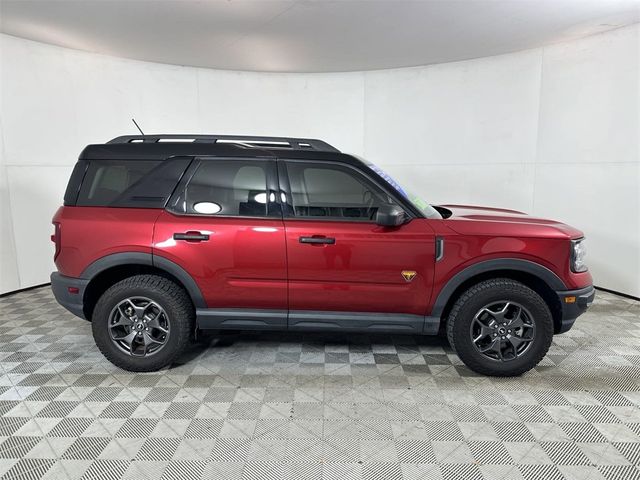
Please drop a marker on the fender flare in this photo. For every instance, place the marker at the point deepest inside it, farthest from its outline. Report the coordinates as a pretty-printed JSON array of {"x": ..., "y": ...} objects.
[
  {"x": 140, "y": 258},
  {"x": 514, "y": 264}
]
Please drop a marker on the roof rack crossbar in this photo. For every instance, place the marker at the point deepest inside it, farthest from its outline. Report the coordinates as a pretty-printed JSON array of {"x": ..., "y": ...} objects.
[{"x": 246, "y": 140}]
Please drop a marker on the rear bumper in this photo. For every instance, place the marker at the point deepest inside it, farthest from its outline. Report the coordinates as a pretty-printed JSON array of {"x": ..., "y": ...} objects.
[
  {"x": 62, "y": 288},
  {"x": 574, "y": 303}
]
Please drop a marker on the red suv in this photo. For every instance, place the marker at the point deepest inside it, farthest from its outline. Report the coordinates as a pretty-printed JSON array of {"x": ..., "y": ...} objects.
[{"x": 164, "y": 235}]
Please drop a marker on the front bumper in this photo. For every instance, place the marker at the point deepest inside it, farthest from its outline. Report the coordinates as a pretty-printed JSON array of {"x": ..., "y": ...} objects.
[
  {"x": 63, "y": 287},
  {"x": 574, "y": 303}
]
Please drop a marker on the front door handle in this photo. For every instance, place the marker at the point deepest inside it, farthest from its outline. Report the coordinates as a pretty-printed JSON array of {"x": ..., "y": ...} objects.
[
  {"x": 191, "y": 236},
  {"x": 318, "y": 240}
]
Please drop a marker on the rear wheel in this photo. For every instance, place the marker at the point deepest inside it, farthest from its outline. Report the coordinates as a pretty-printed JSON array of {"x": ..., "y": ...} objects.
[
  {"x": 500, "y": 327},
  {"x": 143, "y": 323}
]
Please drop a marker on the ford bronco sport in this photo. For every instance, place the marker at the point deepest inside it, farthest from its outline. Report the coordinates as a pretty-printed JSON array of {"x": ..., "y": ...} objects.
[{"x": 161, "y": 236}]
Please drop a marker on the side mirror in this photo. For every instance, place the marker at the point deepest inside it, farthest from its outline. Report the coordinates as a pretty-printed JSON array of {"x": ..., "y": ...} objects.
[{"x": 390, "y": 216}]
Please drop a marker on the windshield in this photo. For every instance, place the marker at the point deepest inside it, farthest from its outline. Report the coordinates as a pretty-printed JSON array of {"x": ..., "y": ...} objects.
[{"x": 416, "y": 200}]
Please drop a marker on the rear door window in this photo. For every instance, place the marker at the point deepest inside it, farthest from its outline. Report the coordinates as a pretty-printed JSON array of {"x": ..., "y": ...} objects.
[{"x": 229, "y": 187}]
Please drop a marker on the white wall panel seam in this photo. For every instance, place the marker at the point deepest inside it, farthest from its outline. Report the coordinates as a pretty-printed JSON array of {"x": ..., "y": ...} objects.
[
  {"x": 537, "y": 146},
  {"x": 9, "y": 221}
]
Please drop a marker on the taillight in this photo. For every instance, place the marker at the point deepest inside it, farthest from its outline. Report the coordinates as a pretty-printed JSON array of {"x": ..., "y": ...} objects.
[{"x": 55, "y": 238}]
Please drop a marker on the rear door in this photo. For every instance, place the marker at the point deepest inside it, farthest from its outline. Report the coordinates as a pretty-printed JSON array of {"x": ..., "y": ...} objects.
[
  {"x": 340, "y": 260},
  {"x": 224, "y": 227}
]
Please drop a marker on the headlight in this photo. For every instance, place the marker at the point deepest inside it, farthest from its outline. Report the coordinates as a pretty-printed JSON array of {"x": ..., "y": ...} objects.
[{"x": 578, "y": 254}]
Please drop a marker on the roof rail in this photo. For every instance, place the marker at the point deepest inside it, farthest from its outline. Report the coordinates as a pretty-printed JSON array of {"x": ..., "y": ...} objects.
[{"x": 244, "y": 140}]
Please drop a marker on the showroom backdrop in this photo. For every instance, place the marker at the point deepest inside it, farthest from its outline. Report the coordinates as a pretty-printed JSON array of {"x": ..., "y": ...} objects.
[{"x": 552, "y": 131}]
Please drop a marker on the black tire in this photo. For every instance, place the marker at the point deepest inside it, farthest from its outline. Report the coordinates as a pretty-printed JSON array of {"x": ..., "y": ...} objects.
[
  {"x": 492, "y": 292},
  {"x": 170, "y": 297}
]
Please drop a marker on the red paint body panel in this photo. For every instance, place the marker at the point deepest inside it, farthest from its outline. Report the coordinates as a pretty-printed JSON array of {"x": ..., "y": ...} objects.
[
  {"x": 242, "y": 265},
  {"x": 362, "y": 271},
  {"x": 260, "y": 263},
  {"x": 504, "y": 234},
  {"x": 87, "y": 234},
  {"x": 468, "y": 220},
  {"x": 492, "y": 233}
]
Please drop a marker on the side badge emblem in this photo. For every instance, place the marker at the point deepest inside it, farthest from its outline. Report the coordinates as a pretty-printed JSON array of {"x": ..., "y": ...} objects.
[{"x": 409, "y": 275}]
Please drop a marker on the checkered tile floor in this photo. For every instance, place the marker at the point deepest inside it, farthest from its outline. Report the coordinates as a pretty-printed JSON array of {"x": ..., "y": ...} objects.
[{"x": 317, "y": 406}]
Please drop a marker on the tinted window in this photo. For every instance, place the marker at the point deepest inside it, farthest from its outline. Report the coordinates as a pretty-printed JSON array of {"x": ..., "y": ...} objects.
[
  {"x": 125, "y": 183},
  {"x": 227, "y": 187},
  {"x": 155, "y": 188},
  {"x": 333, "y": 191},
  {"x": 75, "y": 182},
  {"x": 106, "y": 180}
]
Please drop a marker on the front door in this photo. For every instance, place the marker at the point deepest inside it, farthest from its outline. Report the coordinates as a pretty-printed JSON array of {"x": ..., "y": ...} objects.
[
  {"x": 339, "y": 259},
  {"x": 224, "y": 227}
]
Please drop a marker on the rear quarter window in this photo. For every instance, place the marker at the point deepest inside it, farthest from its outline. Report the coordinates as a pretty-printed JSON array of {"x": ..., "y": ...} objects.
[{"x": 130, "y": 183}]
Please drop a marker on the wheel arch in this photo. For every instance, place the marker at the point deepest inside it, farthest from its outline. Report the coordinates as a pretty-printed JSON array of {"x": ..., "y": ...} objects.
[
  {"x": 537, "y": 277},
  {"x": 110, "y": 269}
]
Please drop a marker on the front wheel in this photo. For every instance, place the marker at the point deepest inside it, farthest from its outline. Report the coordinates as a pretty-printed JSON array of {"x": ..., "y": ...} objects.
[
  {"x": 143, "y": 323},
  {"x": 500, "y": 327}
]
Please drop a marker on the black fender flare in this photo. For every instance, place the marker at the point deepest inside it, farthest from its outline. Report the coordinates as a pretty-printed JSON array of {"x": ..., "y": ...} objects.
[
  {"x": 514, "y": 264},
  {"x": 140, "y": 258}
]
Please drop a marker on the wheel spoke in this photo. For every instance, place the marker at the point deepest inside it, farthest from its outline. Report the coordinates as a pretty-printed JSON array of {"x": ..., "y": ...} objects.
[
  {"x": 491, "y": 347},
  {"x": 128, "y": 339},
  {"x": 149, "y": 340},
  {"x": 139, "y": 342},
  {"x": 505, "y": 308},
  {"x": 515, "y": 342},
  {"x": 484, "y": 332},
  {"x": 140, "y": 312},
  {"x": 500, "y": 314},
  {"x": 517, "y": 321},
  {"x": 499, "y": 349},
  {"x": 149, "y": 305},
  {"x": 154, "y": 323},
  {"x": 122, "y": 322},
  {"x": 487, "y": 311},
  {"x": 529, "y": 337}
]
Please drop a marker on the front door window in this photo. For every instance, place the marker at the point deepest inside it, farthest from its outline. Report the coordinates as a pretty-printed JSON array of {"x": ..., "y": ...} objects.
[{"x": 328, "y": 191}]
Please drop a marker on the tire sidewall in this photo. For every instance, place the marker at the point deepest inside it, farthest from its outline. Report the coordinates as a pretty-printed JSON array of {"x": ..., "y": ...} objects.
[{"x": 541, "y": 316}]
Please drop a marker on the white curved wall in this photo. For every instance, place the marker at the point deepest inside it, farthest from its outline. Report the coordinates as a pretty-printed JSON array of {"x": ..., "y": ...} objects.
[{"x": 552, "y": 131}]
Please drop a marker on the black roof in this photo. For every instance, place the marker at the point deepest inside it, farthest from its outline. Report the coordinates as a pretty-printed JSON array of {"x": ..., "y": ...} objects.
[
  {"x": 243, "y": 140},
  {"x": 163, "y": 147},
  {"x": 160, "y": 147}
]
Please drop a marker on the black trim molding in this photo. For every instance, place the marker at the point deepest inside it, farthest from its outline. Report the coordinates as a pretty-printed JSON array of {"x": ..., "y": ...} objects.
[
  {"x": 73, "y": 302},
  {"x": 140, "y": 258},
  {"x": 490, "y": 265},
  {"x": 241, "y": 319},
  {"x": 310, "y": 320},
  {"x": 313, "y": 320}
]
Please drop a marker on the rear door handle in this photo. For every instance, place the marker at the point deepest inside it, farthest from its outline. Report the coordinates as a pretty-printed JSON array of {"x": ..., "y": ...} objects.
[
  {"x": 191, "y": 236},
  {"x": 318, "y": 240}
]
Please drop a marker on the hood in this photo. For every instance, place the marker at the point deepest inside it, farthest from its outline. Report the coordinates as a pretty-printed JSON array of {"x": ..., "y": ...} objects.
[{"x": 473, "y": 220}]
